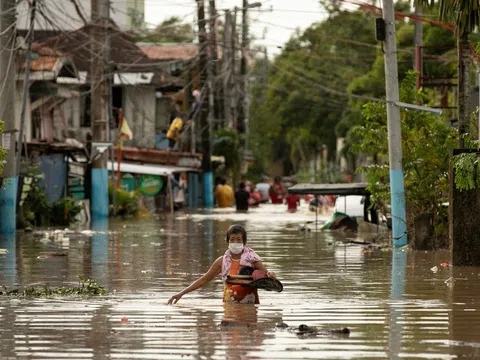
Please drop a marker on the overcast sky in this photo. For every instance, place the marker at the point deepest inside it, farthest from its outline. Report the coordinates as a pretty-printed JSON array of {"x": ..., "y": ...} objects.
[{"x": 279, "y": 24}]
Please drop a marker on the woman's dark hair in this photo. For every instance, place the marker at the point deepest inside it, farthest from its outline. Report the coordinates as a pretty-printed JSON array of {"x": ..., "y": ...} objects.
[{"x": 237, "y": 229}]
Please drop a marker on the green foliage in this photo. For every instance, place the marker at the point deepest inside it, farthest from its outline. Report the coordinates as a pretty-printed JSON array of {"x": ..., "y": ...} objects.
[
  {"x": 467, "y": 171},
  {"x": 126, "y": 202},
  {"x": 295, "y": 115},
  {"x": 37, "y": 211},
  {"x": 427, "y": 141},
  {"x": 3, "y": 152},
  {"x": 171, "y": 30},
  {"x": 86, "y": 287},
  {"x": 227, "y": 143},
  {"x": 465, "y": 14},
  {"x": 64, "y": 211}
]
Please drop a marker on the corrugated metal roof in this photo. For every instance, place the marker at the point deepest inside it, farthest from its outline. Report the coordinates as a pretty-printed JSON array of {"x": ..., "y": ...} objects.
[{"x": 149, "y": 169}]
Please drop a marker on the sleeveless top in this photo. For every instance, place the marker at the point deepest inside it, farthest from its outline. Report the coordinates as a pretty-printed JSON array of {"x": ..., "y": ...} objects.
[{"x": 239, "y": 293}]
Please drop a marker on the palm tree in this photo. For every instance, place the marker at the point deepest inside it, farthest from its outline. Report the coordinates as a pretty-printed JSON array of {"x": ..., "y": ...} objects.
[{"x": 466, "y": 16}]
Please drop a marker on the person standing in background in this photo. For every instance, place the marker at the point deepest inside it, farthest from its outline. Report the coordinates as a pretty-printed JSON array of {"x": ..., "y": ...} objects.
[
  {"x": 241, "y": 197},
  {"x": 263, "y": 187},
  {"x": 277, "y": 191},
  {"x": 173, "y": 133},
  {"x": 292, "y": 201},
  {"x": 224, "y": 194}
]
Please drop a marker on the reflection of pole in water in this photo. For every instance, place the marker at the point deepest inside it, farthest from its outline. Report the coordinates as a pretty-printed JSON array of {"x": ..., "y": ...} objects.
[
  {"x": 399, "y": 264},
  {"x": 209, "y": 239},
  {"x": 100, "y": 249},
  {"x": 8, "y": 261}
]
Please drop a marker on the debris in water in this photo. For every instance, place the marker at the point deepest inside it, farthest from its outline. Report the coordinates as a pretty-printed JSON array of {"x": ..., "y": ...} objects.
[
  {"x": 449, "y": 282},
  {"x": 3, "y": 251},
  {"x": 282, "y": 325},
  {"x": 305, "y": 330},
  {"x": 434, "y": 269},
  {"x": 124, "y": 320}
]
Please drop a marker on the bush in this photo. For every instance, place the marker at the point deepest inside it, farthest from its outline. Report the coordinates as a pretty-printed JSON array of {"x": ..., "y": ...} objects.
[
  {"x": 37, "y": 210},
  {"x": 126, "y": 202}
]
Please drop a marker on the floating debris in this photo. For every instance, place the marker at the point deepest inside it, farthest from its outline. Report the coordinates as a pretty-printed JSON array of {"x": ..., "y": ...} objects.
[{"x": 86, "y": 287}]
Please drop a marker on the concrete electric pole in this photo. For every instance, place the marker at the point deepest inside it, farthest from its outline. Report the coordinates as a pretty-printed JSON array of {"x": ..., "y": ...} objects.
[
  {"x": 205, "y": 126},
  {"x": 227, "y": 68},
  {"x": 8, "y": 190},
  {"x": 398, "y": 213},
  {"x": 99, "y": 108}
]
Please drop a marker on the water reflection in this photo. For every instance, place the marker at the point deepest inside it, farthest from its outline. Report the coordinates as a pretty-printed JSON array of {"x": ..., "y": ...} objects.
[
  {"x": 100, "y": 250},
  {"x": 8, "y": 256},
  {"x": 399, "y": 263},
  {"x": 394, "y": 304}
]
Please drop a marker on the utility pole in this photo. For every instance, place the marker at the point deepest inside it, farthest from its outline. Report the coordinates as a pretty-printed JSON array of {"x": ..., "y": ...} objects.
[
  {"x": 243, "y": 120},
  {"x": 8, "y": 191},
  {"x": 214, "y": 59},
  {"x": 26, "y": 84},
  {"x": 398, "y": 213},
  {"x": 205, "y": 105},
  {"x": 233, "y": 76},
  {"x": 418, "y": 38},
  {"x": 227, "y": 70},
  {"x": 99, "y": 99}
]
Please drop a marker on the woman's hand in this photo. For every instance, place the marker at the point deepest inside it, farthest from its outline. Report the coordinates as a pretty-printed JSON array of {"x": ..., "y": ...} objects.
[
  {"x": 174, "y": 299},
  {"x": 271, "y": 275}
]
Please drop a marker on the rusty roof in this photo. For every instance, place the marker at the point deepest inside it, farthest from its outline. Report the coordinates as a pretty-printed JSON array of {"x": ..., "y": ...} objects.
[
  {"x": 78, "y": 44},
  {"x": 169, "y": 52}
]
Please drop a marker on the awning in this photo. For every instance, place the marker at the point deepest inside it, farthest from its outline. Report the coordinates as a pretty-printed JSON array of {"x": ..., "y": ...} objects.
[
  {"x": 150, "y": 169},
  {"x": 330, "y": 189}
]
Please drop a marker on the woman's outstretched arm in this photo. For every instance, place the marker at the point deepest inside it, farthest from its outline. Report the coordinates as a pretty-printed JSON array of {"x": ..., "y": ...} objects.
[{"x": 211, "y": 274}]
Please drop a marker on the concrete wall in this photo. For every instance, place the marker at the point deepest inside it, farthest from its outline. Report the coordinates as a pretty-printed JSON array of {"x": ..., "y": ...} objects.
[
  {"x": 162, "y": 117},
  {"x": 140, "y": 105}
]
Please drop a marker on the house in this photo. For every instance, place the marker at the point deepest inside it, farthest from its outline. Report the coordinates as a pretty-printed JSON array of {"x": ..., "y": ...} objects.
[
  {"x": 58, "y": 108},
  {"x": 134, "y": 77},
  {"x": 179, "y": 61}
]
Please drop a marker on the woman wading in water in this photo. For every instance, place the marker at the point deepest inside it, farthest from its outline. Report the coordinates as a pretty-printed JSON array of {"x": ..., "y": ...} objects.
[{"x": 236, "y": 257}]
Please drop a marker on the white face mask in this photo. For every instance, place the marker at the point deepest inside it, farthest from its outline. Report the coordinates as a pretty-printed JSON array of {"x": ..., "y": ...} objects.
[{"x": 235, "y": 248}]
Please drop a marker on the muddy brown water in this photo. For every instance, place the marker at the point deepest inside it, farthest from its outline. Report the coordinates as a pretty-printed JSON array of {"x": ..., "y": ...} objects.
[{"x": 409, "y": 312}]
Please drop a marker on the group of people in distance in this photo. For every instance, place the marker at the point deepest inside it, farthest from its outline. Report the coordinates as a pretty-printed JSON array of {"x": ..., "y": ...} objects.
[{"x": 249, "y": 194}]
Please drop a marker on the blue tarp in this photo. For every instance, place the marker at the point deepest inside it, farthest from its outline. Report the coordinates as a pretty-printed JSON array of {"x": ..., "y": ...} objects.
[{"x": 54, "y": 171}]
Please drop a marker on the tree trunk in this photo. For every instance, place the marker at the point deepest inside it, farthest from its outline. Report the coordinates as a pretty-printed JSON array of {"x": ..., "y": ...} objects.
[{"x": 463, "y": 47}]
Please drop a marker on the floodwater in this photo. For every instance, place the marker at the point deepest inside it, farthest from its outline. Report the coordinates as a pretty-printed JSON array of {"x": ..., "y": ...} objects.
[{"x": 395, "y": 306}]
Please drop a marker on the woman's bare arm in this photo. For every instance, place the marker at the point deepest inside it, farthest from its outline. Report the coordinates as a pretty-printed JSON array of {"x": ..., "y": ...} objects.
[
  {"x": 259, "y": 266},
  {"x": 211, "y": 274}
]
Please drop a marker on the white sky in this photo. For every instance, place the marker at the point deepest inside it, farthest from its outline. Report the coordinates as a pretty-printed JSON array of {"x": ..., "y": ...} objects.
[{"x": 279, "y": 24}]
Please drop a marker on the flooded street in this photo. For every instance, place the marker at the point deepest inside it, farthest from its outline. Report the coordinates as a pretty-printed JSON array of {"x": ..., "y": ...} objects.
[{"x": 411, "y": 312}]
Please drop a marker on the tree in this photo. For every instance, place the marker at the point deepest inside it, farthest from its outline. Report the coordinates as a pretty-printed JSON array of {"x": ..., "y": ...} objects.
[
  {"x": 466, "y": 16},
  {"x": 296, "y": 115},
  {"x": 171, "y": 30}
]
